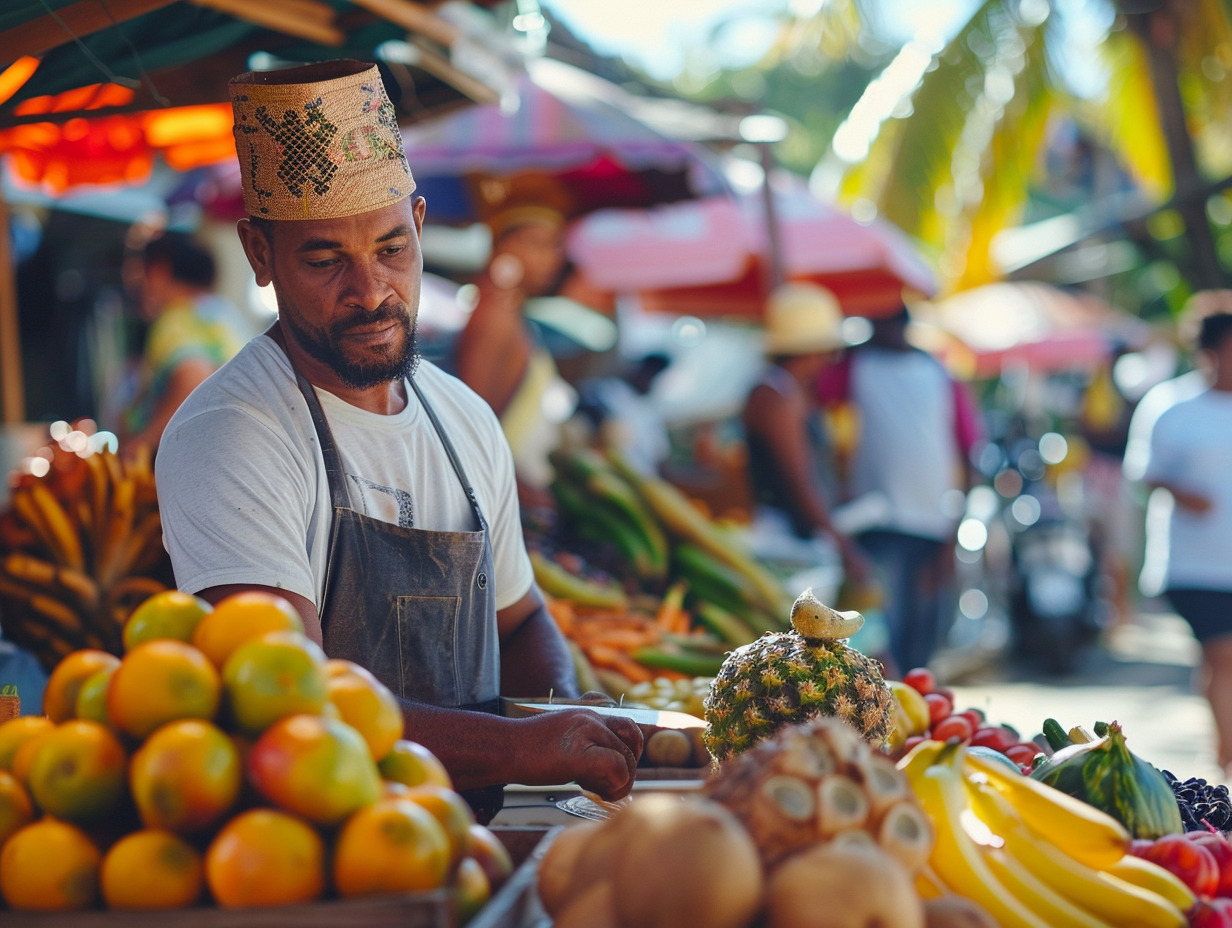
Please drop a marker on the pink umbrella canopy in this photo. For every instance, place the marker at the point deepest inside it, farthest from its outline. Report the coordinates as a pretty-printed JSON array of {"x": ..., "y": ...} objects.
[
  {"x": 559, "y": 134},
  {"x": 709, "y": 256},
  {"x": 1026, "y": 323}
]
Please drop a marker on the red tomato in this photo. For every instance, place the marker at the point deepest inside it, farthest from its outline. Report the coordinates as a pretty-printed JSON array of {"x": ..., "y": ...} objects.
[
  {"x": 974, "y": 716},
  {"x": 920, "y": 679},
  {"x": 1211, "y": 913},
  {"x": 1189, "y": 860},
  {"x": 912, "y": 741},
  {"x": 938, "y": 707},
  {"x": 1022, "y": 753},
  {"x": 946, "y": 692},
  {"x": 954, "y": 726},
  {"x": 1221, "y": 849},
  {"x": 997, "y": 737}
]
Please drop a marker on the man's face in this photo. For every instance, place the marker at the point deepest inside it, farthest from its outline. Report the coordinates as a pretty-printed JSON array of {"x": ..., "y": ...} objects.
[
  {"x": 540, "y": 247},
  {"x": 347, "y": 289}
]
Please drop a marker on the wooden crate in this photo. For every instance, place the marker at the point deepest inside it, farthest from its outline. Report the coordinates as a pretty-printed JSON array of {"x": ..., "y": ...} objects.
[{"x": 513, "y": 906}]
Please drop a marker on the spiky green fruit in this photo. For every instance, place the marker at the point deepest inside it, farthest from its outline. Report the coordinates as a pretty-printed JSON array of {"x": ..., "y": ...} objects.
[{"x": 787, "y": 678}]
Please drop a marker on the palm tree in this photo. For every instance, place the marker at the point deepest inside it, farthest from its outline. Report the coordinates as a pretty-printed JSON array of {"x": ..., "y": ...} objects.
[{"x": 946, "y": 142}]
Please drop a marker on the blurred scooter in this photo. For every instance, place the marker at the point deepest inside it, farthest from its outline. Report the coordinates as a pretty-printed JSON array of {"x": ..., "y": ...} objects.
[{"x": 1052, "y": 597}]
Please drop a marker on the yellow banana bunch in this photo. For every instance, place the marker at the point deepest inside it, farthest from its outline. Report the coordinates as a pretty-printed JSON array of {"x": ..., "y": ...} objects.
[
  {"x": 80, "y": 547},
  {"x": 1031, "y": 864}
]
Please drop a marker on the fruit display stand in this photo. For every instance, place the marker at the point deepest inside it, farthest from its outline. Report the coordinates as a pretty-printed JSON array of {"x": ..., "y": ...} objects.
[{"x": 514, "y": 905}]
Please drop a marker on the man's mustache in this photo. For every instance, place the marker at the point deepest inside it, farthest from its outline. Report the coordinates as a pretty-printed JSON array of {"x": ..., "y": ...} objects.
[{"x": 386, "y": 312}]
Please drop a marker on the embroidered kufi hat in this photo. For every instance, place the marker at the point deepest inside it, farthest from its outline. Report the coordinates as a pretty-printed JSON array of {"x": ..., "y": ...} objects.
[{"x": 318, "y": 141}]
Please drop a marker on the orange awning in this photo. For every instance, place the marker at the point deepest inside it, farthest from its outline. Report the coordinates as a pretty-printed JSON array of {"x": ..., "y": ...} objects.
[{"x": 116, "y": 148}]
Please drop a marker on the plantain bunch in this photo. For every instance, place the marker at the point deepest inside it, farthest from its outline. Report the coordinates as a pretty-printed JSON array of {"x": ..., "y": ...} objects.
[
  {"x": 660, "y": 538},
  {"x": 80, "y": 548}
]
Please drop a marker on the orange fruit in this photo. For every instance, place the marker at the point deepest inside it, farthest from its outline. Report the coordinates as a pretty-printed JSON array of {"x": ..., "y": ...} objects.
[
  {"x": 25, "y": 754},
  {"x": 367, "y": 705},
  {"x": 49, "y": 865},
  {"x": 273, "y": 676},
  {"x": 161, "y": 681},
  {"x": 16, "y": 732},
  {"x": 411, "y": 763},
  {"x": 242, "y": 617},
  {"x": 185, "y": 776},
  {"x": 450, "y": 809},
  {"x": 78, "y": 771},
  {"x": 391, "y": 846},
  {"x": 489, "y": 852},
  {"x": 16, "y": 810},
  {"x": 473, "y": 888},
  {"x": 169, "y": 614},
  {"x": 92, "y": 697},
  {"x": 151, "y": 869},
  {"x": 60, "y": 694},
  {"x": 315, "y": 767},
  {"x": 265, "y": 857}
]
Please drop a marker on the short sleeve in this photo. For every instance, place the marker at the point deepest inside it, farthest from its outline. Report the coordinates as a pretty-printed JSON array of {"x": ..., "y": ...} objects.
[
  {"x": 514, "y": 574},
  {"x": 236, "y": 500}
]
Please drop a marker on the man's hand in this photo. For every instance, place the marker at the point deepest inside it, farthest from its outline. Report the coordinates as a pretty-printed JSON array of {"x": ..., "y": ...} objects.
[{"x": 599, "y": 753}]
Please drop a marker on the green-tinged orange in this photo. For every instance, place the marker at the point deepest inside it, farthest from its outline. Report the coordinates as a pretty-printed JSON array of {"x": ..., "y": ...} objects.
[{"x": 169, "y": 614}]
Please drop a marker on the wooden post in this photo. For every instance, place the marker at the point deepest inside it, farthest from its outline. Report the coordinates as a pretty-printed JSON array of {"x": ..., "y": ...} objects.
[{"x": 12, "y": 393}]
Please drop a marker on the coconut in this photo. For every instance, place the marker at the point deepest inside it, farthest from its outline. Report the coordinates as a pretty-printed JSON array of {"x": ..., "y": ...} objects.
[
  {"x": 590, "y": 907},
  {"x": 685, "y": 861},
  {"x": 555, "y": 872},
  {"x": 842, "y": 885}
]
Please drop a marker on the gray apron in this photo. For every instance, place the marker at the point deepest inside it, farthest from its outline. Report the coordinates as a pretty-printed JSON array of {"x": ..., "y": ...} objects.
[{"x": 413, "y": 606}]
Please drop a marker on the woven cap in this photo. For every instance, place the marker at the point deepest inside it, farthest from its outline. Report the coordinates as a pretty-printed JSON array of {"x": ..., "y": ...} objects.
[
  {"x": 318, "y": 141},
  {"x": 802, "y": 318}
]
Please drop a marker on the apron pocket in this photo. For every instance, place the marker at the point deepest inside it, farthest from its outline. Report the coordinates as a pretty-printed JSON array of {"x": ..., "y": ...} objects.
[{"x": 427, "y": 648}]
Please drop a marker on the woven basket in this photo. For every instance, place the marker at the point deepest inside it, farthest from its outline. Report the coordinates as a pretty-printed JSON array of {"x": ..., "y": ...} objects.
[{"x": 10, "y": 707}]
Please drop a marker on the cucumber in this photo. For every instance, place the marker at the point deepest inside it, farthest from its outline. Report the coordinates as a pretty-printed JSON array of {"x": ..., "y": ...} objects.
[{"x": 1056, "y": 735}]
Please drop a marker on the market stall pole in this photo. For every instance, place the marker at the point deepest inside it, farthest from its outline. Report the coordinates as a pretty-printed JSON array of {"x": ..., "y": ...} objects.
[{"x": 13, "y": 405}]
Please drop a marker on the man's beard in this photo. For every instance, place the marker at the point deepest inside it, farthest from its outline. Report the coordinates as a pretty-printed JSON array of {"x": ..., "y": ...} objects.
[{"x": 323, "y": 346}]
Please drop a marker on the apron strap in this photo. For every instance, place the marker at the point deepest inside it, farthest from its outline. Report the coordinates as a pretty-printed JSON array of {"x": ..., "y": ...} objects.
[
  {"x": 452, "y": 454},
  {"x": 339, "y": 493}
]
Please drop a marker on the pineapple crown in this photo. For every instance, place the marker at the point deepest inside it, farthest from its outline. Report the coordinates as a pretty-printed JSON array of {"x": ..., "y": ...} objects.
[{"x": 812, "y": 618}]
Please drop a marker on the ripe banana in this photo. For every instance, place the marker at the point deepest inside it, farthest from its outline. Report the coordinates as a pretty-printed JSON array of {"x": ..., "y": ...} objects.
[
  {"x": 53, "y": 579},
  {"x": 1101, "y": 897},
  {"x": 956, "y": 859},
  {"x": 1044, "y": 899},
  {"x": 65, "y": 533},
  {"x": 1152, "y": 877},
  {"x": 1087, "y": 834}
]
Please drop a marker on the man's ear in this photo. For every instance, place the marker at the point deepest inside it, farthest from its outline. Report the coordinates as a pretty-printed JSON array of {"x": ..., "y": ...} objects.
[
  {"x": 419, "y": 209},
  {"x": 258, "y": 251}
]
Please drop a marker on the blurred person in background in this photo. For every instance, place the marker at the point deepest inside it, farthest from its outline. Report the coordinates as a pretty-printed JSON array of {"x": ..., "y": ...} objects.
[
  {"x": 624, "y": 414},
  {"x": 1182, "y": 454},
  {"x": 905, "y": 464},
  {"x": 788, "y": 456},
  {"x": 498, "y": 354},
  {"x": 192, "y": 331}
]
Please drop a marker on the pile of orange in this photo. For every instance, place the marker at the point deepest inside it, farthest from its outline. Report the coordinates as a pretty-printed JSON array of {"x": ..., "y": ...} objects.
[{"x": 224, "y": 760}]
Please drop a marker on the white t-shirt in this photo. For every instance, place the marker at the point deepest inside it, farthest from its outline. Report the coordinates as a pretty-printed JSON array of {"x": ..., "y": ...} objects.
[
  {"x": 245, "y": 499},
  {"x": 906, "y": 457},
  {"x": 1191, "y": 447}
]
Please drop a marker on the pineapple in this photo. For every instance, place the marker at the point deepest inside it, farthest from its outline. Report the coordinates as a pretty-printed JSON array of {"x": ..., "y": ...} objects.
[{"x": 788, "y": 677}]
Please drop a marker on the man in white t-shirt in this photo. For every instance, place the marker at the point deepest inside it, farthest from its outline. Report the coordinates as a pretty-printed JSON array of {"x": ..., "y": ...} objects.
[
  {"x": 1187, "y": 465},
  {"x": 329, "y": 465}
]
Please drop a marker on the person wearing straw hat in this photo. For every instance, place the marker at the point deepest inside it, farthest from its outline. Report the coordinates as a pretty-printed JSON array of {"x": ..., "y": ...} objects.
[
  {"x": 783, "y": 429},
  {"x": 331, "y": 465}
]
